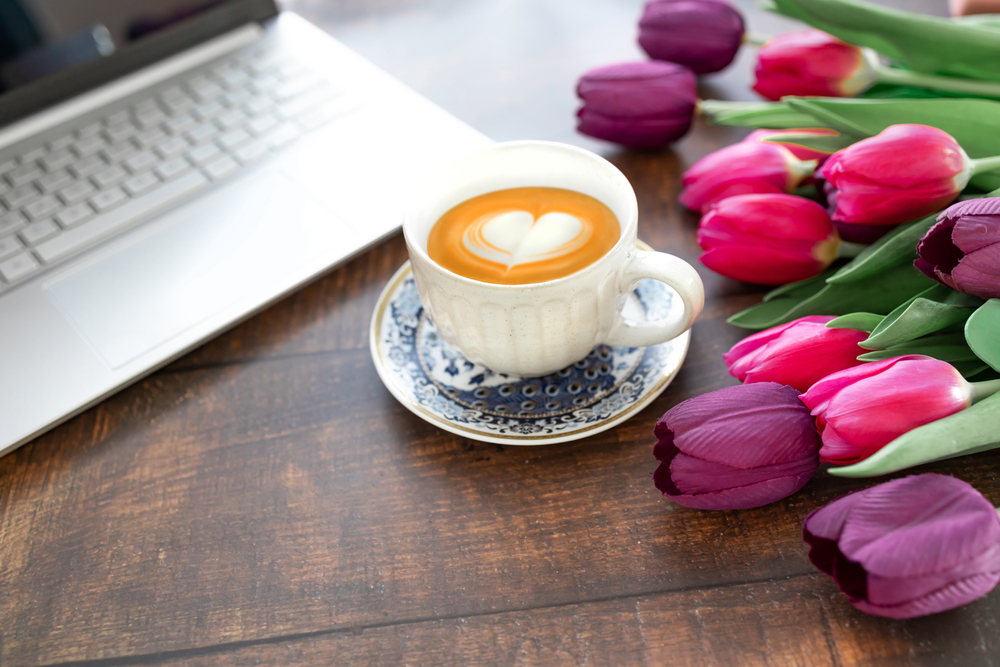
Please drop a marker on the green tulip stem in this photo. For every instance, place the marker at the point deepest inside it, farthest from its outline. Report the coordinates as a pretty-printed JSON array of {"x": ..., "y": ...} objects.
[
  {"x": 981, "y": 390},
  {"x": 951, "y": 84},
  {"x": 848, "y": 250},
  {"x": 985, "y": 164},
  {"x": 755, "y": 39}
]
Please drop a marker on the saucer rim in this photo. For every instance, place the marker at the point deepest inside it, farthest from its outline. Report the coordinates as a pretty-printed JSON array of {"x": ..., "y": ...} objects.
[{"x": 375, "y": 346}]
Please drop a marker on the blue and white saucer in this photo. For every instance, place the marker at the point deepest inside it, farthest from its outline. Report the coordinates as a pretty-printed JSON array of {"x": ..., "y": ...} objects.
[{"x": 439, "y": 385}]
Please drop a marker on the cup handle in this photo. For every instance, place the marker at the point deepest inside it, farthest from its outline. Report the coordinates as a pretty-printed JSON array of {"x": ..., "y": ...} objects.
[{"x": 674, "y": 272}]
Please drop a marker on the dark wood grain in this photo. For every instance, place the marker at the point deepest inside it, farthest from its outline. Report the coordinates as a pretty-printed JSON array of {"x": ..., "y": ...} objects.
[{"x": 264, "y": 500}]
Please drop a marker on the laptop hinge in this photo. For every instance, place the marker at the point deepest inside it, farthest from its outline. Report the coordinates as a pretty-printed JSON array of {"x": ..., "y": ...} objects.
[{"x": 131, "y": 83}]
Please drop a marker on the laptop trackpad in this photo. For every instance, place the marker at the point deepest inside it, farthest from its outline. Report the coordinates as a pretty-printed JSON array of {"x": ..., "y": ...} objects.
[{"x": 217, "y": 252}]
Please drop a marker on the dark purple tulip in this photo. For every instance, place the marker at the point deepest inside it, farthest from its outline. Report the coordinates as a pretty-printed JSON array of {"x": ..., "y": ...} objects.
[
  {"x": 640, "y": 104},
  {"x": 738, "y": 447},
  {"x": 910, "y": 547},
  {"x": 701, "y": 34},
  {"x": 962, "y": 250}
]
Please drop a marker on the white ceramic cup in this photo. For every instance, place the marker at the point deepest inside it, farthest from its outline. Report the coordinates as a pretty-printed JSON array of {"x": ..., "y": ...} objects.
[{"x": 539, "y": 328}]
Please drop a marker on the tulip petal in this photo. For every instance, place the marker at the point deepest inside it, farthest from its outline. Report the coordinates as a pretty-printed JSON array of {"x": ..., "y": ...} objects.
[
  {"x": 949, "y": 520},
  {"x": 638, "y": 132},
  {"x": 951, "y": 596},
  {"x": 694, "y": 476},
  {"x": 896, "y": 590},
  {"x": 741, "y": 356},
  {"x": 760, "y": 266},
  {"x": 745, "y": 497}
]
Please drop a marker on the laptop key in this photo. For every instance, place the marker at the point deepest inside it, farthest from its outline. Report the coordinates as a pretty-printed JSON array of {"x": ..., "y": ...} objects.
[
  {"x": 204, "y": 153},
  {"x": 171, "y": 169},
  {"x": 11, "y": 222},
  {"x": 86, "y": 167},
  {"x": 18, "y": 197},
  {"x": 251, "y": 152},
  {"x": 38, "y": 231},
  {"x": 230, "y": 119},
  {"x": 118, "y": 117},
  {"x": 7, "y": 165},
  {"x": 141, "y": 162},
  {"x": 181, "y": 123},
  {"x": 33, "y": 154},
  {"x": 137, "y": 185},
  {"x": 18, "y": 267},
  {"x": 203, "y": 133},
  {"x": 171, "y": 148},
  {"x": 42, "y": 207},
  {"x": 121, "y": 132},
  {"x": 76, "y": 193},
  {"x": 74, "y": 215},
  {"x": 259, "y": 105},
  {"x": 106, "y": 199},
  {"x": 24, "y": 174},
  {"x": 103, "y": 225},
  {"x": 10, "y": 245},
  {"x": 89, "y": 145},
  {"x": 283, "y": 135},
  {"x": 150, "y": 137},
  {"x": 54, "y": 181},
  {"x": 221, "y": 168},
  {"x": 64, "y": 141},
  {"x": 120, "y": 152},
  {"x": 262, "y": 124},
  {"x": 110, "y": 176},
  {"x": 233, "y": 140},
  {"x": 57, "y": 159}
]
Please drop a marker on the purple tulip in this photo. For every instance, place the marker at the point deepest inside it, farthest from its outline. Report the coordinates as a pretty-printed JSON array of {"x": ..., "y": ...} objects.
[
  {"x": 910, "y": 547},
  {"x": 701, "y": 34},
  {"x": 962, "y": 250},
  {"x": 640, "y": 104},
  {"x": 738, "y": 447}
]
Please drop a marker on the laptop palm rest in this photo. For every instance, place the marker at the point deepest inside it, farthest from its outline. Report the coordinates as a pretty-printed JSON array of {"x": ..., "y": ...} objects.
[{"x": 199, "y": 260}]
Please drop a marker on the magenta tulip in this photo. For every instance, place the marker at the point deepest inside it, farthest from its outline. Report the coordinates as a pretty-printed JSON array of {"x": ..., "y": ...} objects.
[
  {"x": 768, "y": 239},
  {"x": 903, "y": 173},
  {"x": 738, "y": 447},
  {"x": 703, "y": 35},
  {"x": 749, "y": 167},
  {"x": 962, "y": 250},
  {"x": 797, "y": 354},
  {"x": 811, "y": 63},
  {"x": 862, "y": 409},
  {"x": 641, "y": 104},
  {"x": 910, "y": 547}
]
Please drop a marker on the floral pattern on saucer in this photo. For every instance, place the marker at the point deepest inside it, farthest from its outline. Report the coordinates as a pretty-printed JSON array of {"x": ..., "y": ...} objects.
[{"x": 437, "y": 383}]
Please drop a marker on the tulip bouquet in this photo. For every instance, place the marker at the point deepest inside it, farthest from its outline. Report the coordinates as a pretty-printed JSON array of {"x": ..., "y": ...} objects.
[{"x": 868, "y": 194}]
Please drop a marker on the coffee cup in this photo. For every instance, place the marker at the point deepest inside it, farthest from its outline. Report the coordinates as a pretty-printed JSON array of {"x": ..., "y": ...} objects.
[{"x": 538, "y": 328}]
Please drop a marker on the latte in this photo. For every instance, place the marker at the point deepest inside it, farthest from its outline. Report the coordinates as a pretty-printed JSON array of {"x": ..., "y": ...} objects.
[{"x": 523, "y": 235}]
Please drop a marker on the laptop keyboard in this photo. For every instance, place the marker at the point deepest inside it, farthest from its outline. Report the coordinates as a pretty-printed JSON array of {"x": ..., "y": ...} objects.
[{"x": 100, "y": 179}]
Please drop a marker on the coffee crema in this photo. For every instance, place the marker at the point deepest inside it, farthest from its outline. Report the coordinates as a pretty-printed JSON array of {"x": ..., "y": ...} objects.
[{"x": 523, "y": 235}]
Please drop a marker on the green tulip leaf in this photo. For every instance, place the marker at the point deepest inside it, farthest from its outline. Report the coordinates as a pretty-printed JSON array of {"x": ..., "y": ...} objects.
[
  {"x": 801, "y": 288},
  {"x": 982, "y": 332},
  {"x": 862, "y": 321},
  {"x": 897, "y": 247},
  {"x": 770, "y": 115},
  {"x": 967, "y": 432},
  {"x": 936, "y": 309},
  {"x": 946, "y": 347},
  {"x": 881, "y": 294},
  {"x": 924, "y": 43},
  {"x": 816, "y": 142}
]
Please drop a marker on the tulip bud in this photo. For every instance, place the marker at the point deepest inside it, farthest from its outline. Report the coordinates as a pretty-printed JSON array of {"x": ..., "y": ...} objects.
[
  {"x": 811, "y": 63},
  {"x": 910, "y": 547},
  {"x": 738, "y": 447},
  {"x": 862, "y": 409},
  {"x": 768, "y": 239},
  {"x": 749, "y": 167},
  {"x": 962, "y": 250},
  {"x": 703, "y": 35},
  {"x": 903, "y": 173},
  {"x": 796, "y": 354},
  {"x": 638, "y": 104}
]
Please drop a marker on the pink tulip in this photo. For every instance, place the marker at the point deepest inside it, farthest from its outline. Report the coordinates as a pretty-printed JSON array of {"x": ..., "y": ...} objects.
[
  {"x": 749, "y": 167},
  {"x": 903, "y": 173},
  {"x": 862, "y": 409},
  {"x": 798, "y": 150},
  {"x": 768, "y": 239},
  {"x": 641, "y": 104},
  {"x": 811, "y": 63},
  {"x": 796, "y": 354}
]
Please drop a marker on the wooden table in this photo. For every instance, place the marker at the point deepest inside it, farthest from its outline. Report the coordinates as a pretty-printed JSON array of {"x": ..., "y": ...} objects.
[{"x": 264, "y": 500}]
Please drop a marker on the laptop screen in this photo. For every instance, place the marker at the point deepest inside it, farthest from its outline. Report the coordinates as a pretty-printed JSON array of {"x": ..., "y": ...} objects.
[{"x": 61, "y": 47}]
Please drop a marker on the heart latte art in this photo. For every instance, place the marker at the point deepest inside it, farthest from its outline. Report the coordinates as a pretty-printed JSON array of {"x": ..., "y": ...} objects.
[{"x": 523, "y": 235}]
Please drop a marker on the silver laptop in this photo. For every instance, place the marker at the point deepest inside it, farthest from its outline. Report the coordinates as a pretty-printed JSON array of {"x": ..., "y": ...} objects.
[{"x": 167, "y": 170}]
